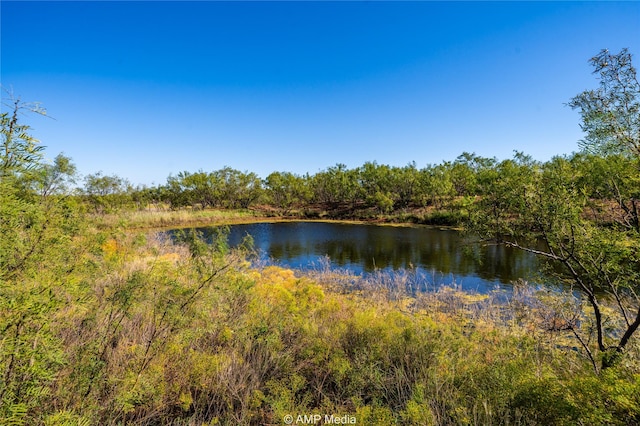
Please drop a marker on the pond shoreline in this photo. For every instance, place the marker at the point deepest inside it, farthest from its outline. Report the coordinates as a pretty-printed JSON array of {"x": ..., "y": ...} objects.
[{"x": 179, "y": 219}]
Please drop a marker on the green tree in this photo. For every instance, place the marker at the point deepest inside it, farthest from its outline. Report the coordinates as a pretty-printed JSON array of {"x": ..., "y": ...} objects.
[
  {"x": 238, "y": 189},
  {"x": 336, "y": 185},
  {"x": 186, "y": 190},
  {"x": 580, "y": 214},
  {"x": 466, "y": 170},
  {"x": 55, "y": 178},
  {"x": 20, "y": 152},
  {"x": 197, "y": 188},
  {"x": 287, "y": 190},
  {"x": 29, "y": 209},
  {"x": 227, "y": 188},
  {"x": 437, "y": 185},
  {"x": 38, "y": 224},
  {"x": 107, "y": 193},
  {"x": 375, "y": 185},
  {"x": 613, "y": 183},
  {"x": 147, "y": 197},
  {"x": 611, "y": 113},
  {"x": 405, "y": 184}
]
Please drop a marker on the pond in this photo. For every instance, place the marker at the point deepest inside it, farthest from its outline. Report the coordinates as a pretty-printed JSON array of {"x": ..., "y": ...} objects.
[{"x": 442, "y": 255}]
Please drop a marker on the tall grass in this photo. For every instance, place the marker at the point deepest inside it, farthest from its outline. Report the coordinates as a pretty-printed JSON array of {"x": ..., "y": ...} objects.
[
  {"x": 157, "y": 333},
  {"x": 155, "y": 219}
]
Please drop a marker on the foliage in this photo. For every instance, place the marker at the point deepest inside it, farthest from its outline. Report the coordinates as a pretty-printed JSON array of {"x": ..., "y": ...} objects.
[
  {"x": 56, "y": 178},
  {"x": 227, "y": 188},
  {"x": 38, "y": 224},
  {"x": 335, "y": 186},
  {"x": 611, "y": 113},
  {"x": 286, "y": 190},
  {"x": 580, "y": 213},
  {"x": 19, "y": 152},
  {"x": 107, "y": 193}
]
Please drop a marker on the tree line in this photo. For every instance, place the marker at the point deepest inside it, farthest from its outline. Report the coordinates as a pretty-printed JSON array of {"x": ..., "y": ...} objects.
[
  {"x": 377, "y": 188},
  {"x": 381, "y": 187}
]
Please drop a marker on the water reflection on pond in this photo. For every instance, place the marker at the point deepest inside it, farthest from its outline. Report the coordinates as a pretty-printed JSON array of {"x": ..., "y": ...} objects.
[{"x": 442, "y": 254}]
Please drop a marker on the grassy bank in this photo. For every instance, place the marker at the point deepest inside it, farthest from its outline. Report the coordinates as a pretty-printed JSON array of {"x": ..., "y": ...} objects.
[
  {"x": 186, "y": 218},
  {"x": 157, "y": 218}
]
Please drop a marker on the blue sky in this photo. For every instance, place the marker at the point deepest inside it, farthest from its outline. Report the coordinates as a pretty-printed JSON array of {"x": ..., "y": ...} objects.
[{"x": 148, "y": 89}]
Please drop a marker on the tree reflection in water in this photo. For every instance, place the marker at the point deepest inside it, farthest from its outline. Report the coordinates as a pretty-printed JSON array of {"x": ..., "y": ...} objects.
[{"x": 441, "y": 255}]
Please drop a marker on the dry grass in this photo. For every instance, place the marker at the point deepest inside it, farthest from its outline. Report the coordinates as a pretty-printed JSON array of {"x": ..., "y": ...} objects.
[
  {"x": 162, "y": 219},
  {"x": 551, "y": 316}
]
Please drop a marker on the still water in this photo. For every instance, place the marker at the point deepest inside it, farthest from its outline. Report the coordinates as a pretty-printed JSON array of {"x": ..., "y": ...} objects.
[{"x": 442, "y": 255}]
